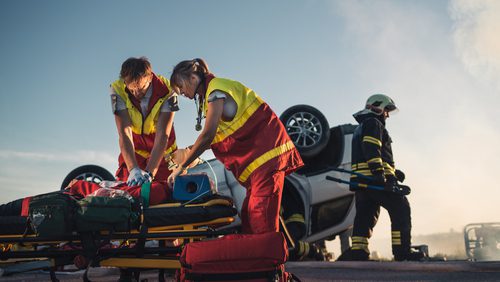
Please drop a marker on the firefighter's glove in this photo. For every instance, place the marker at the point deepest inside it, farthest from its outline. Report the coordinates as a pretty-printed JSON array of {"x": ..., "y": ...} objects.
[
  {"x": 379, "y": 179},
  {"x": 390, "y": 184},
  {"x": 400, "y": 175},
  {"x": 136, "y": 177}
]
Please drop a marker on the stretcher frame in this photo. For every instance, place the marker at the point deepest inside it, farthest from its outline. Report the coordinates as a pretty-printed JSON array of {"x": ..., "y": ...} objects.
[{"x": 133, "y": 254}]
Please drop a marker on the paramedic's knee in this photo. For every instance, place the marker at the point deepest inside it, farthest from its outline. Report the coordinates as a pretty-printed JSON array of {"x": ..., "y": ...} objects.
[{"x": 262, "y": 214}]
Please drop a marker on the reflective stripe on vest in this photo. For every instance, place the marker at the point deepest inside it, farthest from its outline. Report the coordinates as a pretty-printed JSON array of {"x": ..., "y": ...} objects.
[
  {"x": 252, "y": 114},
  {"x": 147, "y": 129},
  {"x": 246, "y": 100}
]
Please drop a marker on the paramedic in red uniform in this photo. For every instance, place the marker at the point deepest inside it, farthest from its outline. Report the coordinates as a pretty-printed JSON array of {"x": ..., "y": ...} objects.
[
  {"x": 245, "y": 135},
  {"x": 143, "y": 105}
]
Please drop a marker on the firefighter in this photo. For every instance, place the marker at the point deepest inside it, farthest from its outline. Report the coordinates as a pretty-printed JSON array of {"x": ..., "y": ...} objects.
[
  {"x": 144, "y": 106},
  {"x": 295, "y": 224},
  {"x": 245, "y": 135},
  {"x": 372, "y": 157}
]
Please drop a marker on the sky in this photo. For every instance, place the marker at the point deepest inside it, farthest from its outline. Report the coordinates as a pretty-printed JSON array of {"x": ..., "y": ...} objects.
[{"x": 439, "y": 61}]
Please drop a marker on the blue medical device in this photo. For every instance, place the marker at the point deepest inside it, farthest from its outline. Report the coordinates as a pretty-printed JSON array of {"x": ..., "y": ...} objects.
[{"x": 191, "y": 186}]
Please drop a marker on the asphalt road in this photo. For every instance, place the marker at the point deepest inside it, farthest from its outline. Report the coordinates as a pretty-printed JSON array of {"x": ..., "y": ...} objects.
[
  {"x": 396, "y": 271},
  {"x": 327, "y": 271}
]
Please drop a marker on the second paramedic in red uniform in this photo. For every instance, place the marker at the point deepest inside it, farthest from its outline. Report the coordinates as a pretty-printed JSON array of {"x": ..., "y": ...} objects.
[
  {"x": 144, "y": 106},
  {"x": 245, "y": 135}
]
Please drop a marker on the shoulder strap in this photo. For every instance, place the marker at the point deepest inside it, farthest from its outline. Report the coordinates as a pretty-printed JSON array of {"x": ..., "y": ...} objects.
[{"x": 145, "y": 191}]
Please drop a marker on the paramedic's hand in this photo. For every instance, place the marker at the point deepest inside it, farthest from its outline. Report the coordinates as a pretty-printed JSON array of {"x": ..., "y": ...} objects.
[
  {"x": 178, "y": 170},
  {"x": 136, "y": 177},
  {"x": 147, "y": 175}
]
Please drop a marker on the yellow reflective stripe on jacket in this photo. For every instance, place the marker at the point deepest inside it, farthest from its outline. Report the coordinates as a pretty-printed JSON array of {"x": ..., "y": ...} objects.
[
  {"x": 273, "y": 153},
  {"x": 372, "y": 140},
  {"x": 246, "y": 100},
  {"x": 146, "y": 154},
  {"x": 388, "y": 169},
  {"x": 296, "y": 217},
  {"x": 223, "y": 133},
  {"x": 359, "y": 166},
  {"x": 363, "y": 168},
  {"x": 135, "y": 114},
  {"x": 375, "y": 160}
]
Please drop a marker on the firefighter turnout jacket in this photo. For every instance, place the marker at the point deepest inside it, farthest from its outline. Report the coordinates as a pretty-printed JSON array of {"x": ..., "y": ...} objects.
[{"x": 371, "y": 151}]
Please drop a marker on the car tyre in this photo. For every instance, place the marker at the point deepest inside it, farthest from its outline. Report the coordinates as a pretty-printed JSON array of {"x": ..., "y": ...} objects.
[
  {"x": 308, "y": 128},
  {"x": 92, "y": 173}
]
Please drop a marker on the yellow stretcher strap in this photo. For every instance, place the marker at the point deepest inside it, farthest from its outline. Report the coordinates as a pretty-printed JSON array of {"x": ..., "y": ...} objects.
[
  {"x": 213, "y": 202},
  {"x": 146, "y": 262}
]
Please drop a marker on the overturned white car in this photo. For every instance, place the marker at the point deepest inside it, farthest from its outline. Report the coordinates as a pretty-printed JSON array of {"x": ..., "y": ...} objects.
[{"x": 314, "y": 209}]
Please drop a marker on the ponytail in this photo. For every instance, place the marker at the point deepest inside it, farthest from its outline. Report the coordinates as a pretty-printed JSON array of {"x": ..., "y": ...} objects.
[{"x": 185, "y": 68}]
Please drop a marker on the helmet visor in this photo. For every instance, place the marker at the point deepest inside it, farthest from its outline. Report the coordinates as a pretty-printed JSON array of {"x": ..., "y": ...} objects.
[{"x": 392, "y": 109}]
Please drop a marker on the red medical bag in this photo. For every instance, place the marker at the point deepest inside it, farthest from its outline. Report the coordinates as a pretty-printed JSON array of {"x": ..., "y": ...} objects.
[{"x": 236, "y": 257}]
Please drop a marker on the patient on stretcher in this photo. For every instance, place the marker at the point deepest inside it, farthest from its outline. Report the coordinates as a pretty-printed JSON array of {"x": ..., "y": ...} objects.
[{"x": 159, "y": 192}]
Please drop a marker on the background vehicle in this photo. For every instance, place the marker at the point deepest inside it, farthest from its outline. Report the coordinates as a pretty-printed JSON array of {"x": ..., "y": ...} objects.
[
  {"x": 327, "y": 207},
  {"x": 482, "y": 241}
]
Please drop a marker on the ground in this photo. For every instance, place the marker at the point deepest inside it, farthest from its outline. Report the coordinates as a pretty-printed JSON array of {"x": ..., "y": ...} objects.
[{"x": 330, "y": 271}]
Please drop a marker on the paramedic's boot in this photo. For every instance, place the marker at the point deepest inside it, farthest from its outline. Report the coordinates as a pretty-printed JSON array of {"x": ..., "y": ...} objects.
[{"x": 354, "y": 255}]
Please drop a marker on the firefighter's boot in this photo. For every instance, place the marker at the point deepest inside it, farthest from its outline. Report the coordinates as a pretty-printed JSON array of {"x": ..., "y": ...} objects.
[
  {"x": 410, "y": 256},
  {"x": 354, "y": 255}
]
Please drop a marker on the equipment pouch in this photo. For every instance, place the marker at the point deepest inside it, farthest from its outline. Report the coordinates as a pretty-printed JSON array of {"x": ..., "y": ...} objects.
[
  {"x": 52, "y": 214},
  {"x": 111, "y": 213}
]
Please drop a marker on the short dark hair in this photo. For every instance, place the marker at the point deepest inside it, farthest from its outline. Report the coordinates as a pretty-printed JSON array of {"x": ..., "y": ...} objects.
[{"x": 135, "y": 68}]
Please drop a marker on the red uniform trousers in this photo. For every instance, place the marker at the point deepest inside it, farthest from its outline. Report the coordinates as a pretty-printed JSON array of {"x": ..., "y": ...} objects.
[{"x": 260, "y": 209}]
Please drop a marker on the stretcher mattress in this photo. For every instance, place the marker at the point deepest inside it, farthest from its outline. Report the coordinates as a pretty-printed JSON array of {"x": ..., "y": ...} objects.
[{"x": 154, "y": 216}]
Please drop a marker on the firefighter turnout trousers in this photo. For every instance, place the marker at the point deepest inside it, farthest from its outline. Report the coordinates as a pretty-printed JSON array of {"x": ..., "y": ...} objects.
[{"x": 368, "y": 203}]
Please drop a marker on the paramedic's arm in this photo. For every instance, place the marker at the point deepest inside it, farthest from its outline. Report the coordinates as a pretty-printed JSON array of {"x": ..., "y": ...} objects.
[
  {"x": 124, "y": 126},
  {"x": 163, "y": 129},
  {"x": 205, "y": 138},
  {"x": 207, "y": 135}
]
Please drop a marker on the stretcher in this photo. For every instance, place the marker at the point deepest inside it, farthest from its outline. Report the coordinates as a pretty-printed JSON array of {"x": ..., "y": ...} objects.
[{"x": 155, "y": 244}]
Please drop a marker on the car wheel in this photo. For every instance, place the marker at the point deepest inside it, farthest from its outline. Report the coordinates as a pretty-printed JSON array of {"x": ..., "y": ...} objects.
[
  {"x": 92, "y": 173},
  {"x": 308, "y": 129}
]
